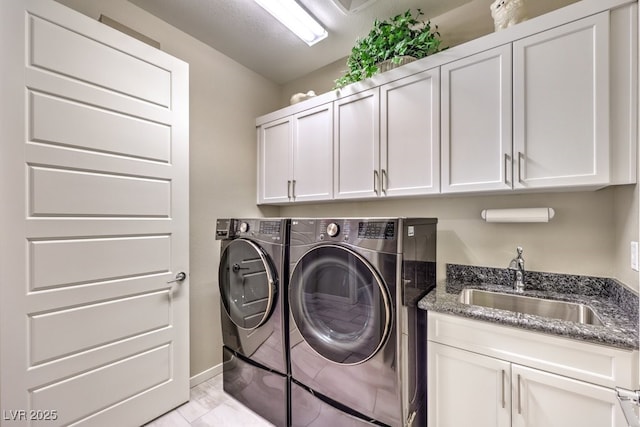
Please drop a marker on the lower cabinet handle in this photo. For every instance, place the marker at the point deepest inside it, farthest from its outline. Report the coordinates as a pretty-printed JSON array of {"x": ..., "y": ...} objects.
[
  {"x": 519, "y": 397},
  {"x": 503, "y": 398}
]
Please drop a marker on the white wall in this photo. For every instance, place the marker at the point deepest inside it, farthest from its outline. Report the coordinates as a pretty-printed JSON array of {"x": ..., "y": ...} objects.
[
  {"x": 581, "y": 239},
  {"x": 225, "y": 99}
]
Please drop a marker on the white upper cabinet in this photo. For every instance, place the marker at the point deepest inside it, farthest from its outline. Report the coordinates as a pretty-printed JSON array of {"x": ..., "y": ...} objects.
[
  {"x": 550, "y": 103},
  {"x": 476, "y": 122},
  {"x": 356, "y": 145},
  {"x": 274, "y": 161},
  {"x": 561, "y": 105},
  {"x": 410, "y": 135},
  {"x": 295, "y": 157},
  {"x": 313, "y": 154},
  {"x": 387, "y": 139}
]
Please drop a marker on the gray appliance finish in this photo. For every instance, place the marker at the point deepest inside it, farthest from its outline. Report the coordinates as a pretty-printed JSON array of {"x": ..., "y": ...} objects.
[
  {"x": 253, "y": 276},
  {"x": 357, "y": 339}
]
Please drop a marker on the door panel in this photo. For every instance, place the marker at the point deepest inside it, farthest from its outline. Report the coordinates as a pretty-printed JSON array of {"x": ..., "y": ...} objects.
[
  {"x": 561, "y": 105},
  {"x": 54, "y": 48},
  {"x": 55, "y": 191},
  {"x": 60, "y": 121},
  {"x": 94, "y": 158},
  {"x": 476, "y": 122},
  {"x": 357, "y": 145}
]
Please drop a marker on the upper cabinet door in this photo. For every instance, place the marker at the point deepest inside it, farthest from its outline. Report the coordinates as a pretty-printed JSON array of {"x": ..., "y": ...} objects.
[
  {"x": 476, "y": 122},
  {"x": 357, "y": 145},
  {"x": 561, "y": 105},
  {"x": 274, "y": 162},
  {"x": 410, "y": 135},
  {"x": 313, "y": 154}
]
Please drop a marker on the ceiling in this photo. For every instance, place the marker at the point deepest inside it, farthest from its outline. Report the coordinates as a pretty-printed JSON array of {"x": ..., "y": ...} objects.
[{"x": 245, "y": 32}]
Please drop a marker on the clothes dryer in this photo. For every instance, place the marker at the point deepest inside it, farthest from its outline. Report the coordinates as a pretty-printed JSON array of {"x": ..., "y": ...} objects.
[
  {"x": 358, "y": 340},
  {"x": 252, "y": 276}
]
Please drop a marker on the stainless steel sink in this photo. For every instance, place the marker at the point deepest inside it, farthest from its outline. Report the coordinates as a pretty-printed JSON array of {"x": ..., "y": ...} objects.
[{"x": 554, "y": 309}]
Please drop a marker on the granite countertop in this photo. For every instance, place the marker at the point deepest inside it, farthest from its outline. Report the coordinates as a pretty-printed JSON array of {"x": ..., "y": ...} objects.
[{"x": 615, "y": 305}]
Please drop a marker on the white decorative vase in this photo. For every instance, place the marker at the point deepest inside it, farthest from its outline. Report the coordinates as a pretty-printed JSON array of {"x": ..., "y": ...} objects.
[
  {"x": 390, "y": 65},
  {"x": 506, "y": 13}
]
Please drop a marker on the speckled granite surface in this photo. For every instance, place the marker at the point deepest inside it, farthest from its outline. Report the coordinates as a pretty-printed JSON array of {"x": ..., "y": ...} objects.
[{"x": 615, "y": 305}]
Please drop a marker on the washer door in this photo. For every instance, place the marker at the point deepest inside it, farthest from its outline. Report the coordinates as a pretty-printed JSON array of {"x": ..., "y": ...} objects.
[
  {"x": 247, "y": 284},
  {"x": 339, "y": 304}
]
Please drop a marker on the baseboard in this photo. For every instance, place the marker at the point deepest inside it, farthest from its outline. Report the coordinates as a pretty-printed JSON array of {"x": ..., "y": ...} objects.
[{"x": 205, "y": 375}]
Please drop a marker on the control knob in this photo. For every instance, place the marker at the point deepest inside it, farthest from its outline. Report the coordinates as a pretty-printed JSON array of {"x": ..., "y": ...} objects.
[
  {"x": 333, "y": 229},
  {"x": 244, "y": 227}
]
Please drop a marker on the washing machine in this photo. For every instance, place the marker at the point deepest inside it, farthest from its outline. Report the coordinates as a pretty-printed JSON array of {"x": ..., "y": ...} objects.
[
  {"x": 358, "y": 340},
  {"x": 253, "y": 275}
]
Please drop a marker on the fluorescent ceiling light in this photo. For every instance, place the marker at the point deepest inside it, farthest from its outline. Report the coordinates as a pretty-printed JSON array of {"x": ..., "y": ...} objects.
[{"x": 296, "y": 19}]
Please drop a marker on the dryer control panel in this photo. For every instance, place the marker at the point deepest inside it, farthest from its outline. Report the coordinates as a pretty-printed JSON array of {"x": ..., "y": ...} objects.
[{"x": 225, "y": 229}]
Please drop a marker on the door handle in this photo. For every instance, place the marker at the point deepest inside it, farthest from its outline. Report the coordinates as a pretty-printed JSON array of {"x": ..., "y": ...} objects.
[
  {"x": 384, "y": 181},
  {"x": 375, "y": 182},
  {"x": 179, "y": 277}
]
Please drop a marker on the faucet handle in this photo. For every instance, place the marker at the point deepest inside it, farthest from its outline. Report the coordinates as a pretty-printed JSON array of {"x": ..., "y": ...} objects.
[{"x": 519, "y": 251}]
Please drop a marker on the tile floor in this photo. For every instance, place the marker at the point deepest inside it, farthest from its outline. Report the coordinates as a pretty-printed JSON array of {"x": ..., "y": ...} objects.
[{"x": 210, "y": 406}]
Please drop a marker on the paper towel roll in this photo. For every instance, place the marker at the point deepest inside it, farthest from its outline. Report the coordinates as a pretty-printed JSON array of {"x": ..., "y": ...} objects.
[{"x": 518, "y": 215}]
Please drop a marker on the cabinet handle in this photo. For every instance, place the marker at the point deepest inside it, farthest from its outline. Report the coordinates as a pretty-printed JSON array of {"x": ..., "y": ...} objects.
[
  {"x": 289, "y": 189},
  {"x": 385, "y": 181},
  {"x": 503, "y": 399},
  {"x": 519, "y": 397},
  {"x": 520, "y": 166},
  {"x": 375, "y": 182},
  {"x": 507, "y": 163},
  {"x": 293, "y": 189}
]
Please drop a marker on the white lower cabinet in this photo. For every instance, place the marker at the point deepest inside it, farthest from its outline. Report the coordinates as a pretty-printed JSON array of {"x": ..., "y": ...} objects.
[
  {"x": 478, "y": 376},
  {"x": 541, "y": 399},
  {"x": 467, "y": 389}
]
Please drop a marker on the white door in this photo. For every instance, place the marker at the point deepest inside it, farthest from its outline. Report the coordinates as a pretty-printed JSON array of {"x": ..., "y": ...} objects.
[
  {"x": 94, "y": 222},
  {"x": 313, "y": 154},
  {"x": 476, "y": 122},
  {"x": 357, "y": 145},
  {"x": 410, "y": 135},
  {"x": 467, "y": 389},
  {"x": 275, "y": 160},
  {"x": 561, "y": 99},
  {"x": 541, "y": 399}
]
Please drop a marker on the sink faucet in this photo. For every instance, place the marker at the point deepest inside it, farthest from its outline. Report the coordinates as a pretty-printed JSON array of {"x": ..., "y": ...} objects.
[{"x": 517, "y": 265}]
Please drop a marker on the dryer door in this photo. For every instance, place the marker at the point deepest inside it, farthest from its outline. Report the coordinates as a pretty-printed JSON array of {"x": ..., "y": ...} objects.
[
  {"x": 247, "y": 284},
  {"x": 339, "y": 304}
]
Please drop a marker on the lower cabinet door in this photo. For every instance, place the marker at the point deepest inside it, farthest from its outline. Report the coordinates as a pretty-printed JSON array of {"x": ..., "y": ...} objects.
[
  {"x": 541, "y": 399},
  {"x": 467, "y": 389}
]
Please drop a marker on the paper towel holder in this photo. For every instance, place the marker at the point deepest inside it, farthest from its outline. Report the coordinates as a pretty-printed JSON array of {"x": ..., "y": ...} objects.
[{"x": 518, "y": 215}]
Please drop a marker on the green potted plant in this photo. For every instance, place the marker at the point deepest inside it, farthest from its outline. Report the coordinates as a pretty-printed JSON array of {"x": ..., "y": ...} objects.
[{"x": 391, "y": 40}]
